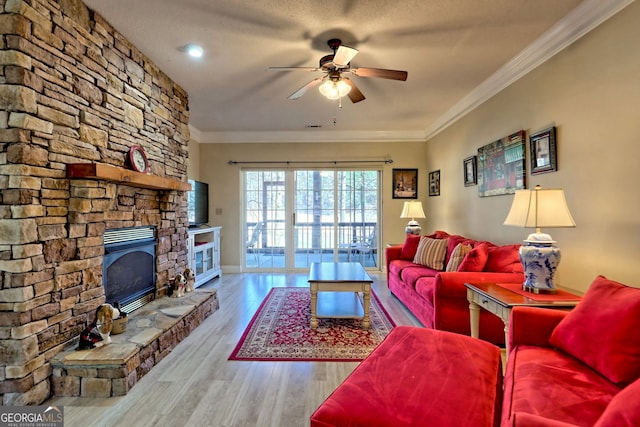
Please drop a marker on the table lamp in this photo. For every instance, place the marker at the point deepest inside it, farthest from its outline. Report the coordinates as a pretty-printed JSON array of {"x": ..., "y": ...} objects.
[
  {"x": 539, "y": 256},
  {"x": 412, "y": 210}
]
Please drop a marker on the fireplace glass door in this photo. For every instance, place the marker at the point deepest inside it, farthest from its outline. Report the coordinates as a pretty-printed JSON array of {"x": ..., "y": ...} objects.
[{"x": 129, "y": 267}]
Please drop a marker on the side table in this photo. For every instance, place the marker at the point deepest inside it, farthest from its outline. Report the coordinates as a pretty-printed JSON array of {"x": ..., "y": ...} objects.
[{"x": 500, "y": 298}]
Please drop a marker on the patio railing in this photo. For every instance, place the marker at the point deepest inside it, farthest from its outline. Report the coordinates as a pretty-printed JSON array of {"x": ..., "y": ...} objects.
[{"x": 313, "y": 235}]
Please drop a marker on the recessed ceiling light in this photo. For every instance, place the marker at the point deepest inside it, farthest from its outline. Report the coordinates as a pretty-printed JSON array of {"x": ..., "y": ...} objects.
[{"x": 194, "y": 50}]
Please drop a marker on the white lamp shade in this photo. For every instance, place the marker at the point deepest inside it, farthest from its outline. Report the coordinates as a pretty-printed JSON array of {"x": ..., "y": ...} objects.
[
  {"x": 412, "y": 210},
  {"x": 539, "y": 208}
]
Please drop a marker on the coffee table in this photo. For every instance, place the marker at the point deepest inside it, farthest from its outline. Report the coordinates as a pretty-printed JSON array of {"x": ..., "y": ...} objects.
[{"x": 335, "y": 288}]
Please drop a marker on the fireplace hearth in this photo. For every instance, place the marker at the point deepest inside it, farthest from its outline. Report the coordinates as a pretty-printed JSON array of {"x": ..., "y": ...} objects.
[
  {"x": 153, "y": 332},
  {"x": 129, "y": 267}
]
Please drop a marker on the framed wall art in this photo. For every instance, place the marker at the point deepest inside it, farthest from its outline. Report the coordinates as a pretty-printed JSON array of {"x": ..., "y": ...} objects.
[
  {"x": 543, "y": 151},
  {"x": 434, "y": 183},
  {"x": 405, "y": 183},
  {"x": 469, "y": 166},
  {"x": 501, "y": 166}
]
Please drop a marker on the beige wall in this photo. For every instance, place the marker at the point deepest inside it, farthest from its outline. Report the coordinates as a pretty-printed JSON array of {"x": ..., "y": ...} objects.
[
  {"x": 591, "y": 93},
  {"x": 225, "y": 180}
]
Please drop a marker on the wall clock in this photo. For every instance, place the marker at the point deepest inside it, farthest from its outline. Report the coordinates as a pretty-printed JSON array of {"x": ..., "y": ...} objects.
[{"x": 138, "y": 159}]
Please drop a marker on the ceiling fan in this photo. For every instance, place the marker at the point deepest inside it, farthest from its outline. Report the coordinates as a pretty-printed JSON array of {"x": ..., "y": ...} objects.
[{"x": 333, "y": 84}]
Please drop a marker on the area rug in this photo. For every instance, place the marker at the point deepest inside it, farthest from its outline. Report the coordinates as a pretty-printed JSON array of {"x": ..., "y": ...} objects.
[{"x": 280, "y": 331}]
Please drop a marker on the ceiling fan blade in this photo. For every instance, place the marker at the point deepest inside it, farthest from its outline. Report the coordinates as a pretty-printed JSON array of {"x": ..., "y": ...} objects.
[
  {"x": 354, "y": 94},
  {"x": 344, "y": 55},
  {"x": 293, "y": 69},
  {"x": 298, "y": 94},
  {"x": 381, "y": 73}
]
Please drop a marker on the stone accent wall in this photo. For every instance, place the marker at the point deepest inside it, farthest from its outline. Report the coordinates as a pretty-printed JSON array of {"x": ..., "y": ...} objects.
[{"x": 73, "y": 90}]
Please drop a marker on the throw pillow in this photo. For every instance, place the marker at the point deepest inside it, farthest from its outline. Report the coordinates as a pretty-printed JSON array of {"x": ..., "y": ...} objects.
[
  {"x": 438, "y": 234},
  {"x": 602, "y": 330},
  {"x": 504, "y": 259},
  {"x": 475, "y": 259},
  {"x": 454, "y": 240},
  {"x": 458, "y": 254},
  {"x": 410, "y": 247},
  {"x": 431, "y": 253}
]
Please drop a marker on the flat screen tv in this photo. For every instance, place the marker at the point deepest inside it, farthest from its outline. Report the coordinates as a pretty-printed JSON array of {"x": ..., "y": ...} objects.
[{"x": 198, "y": 203}]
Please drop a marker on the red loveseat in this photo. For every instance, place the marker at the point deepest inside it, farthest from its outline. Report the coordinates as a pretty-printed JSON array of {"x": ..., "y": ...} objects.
[
  {"x": 577, "y": 368},
  {"x": 438, "y": 298}
]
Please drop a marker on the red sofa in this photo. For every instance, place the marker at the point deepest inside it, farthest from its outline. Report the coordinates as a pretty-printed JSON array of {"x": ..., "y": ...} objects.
[
  {"x": 577, "y": 368},
  {"x": 438, "y": 298}
]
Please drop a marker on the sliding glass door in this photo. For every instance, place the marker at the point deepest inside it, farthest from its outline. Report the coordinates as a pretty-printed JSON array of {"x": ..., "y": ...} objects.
[
  {"x": 265, "y": 219},
  {"x": 296, "y": 217}
]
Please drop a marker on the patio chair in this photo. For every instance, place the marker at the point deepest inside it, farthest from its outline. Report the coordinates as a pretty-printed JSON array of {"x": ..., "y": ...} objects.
[
  {"x": 252, "y": 243},
  {"x": 366, "y": 245}
]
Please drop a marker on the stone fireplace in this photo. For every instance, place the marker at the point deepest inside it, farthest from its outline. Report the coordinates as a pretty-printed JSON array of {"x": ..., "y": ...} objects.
[{"x": 74, "y": 91}]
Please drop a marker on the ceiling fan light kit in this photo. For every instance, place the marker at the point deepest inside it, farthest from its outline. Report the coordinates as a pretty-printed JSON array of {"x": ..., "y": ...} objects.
[
  {"x": 334, "y": 89},
  {"x": 333, "y": 85}
]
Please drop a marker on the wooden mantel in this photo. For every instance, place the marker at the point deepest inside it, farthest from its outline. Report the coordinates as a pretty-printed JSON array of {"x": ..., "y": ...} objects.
[{"x": 124, "y": 176}]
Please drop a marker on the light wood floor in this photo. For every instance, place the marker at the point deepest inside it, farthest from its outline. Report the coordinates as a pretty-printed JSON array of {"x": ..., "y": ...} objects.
[{"x": 197, "y": 386}]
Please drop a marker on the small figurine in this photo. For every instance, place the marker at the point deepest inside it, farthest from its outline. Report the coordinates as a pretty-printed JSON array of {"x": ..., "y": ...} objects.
[
  {"x": 179, "y": 283},
  {"x": 89, "y": 337},
  {"x": 104, "y": 321},
  {"x": 98, "y": 332},
  {"x": 190, "y": 275}
]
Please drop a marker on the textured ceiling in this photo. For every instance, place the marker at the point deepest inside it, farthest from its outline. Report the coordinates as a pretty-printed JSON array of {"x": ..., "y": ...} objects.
[{"x": 448, "y": 47}]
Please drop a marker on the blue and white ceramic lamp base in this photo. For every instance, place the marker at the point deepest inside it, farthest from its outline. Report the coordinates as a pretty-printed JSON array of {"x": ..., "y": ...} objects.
[
  {"x": 540, "y": 260},
  {"x": 413, "y": 228}
]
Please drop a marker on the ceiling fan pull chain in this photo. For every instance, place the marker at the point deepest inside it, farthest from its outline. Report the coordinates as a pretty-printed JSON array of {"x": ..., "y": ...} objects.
[{"x": 335, "y": 117}]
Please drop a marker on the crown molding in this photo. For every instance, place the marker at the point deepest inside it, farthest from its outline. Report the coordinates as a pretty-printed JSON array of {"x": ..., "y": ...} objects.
[
  {"x": 581, "y": 20},
  {"x": 195, "y": 133},
  {"x": 308, "y": 136}
]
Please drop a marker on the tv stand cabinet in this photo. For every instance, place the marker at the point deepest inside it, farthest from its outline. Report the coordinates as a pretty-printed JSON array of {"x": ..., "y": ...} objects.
[{"x": 204, "y": 253}]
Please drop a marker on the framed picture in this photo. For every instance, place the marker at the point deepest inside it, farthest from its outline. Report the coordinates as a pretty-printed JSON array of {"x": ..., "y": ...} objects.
[
  {"x": 469, "y": 165},
  {"x": 501, "y": 166},
  {"x": 543, "y": 151},
  {"x": 405, "y": 183},
  {"x": 434, "y": 183}
]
